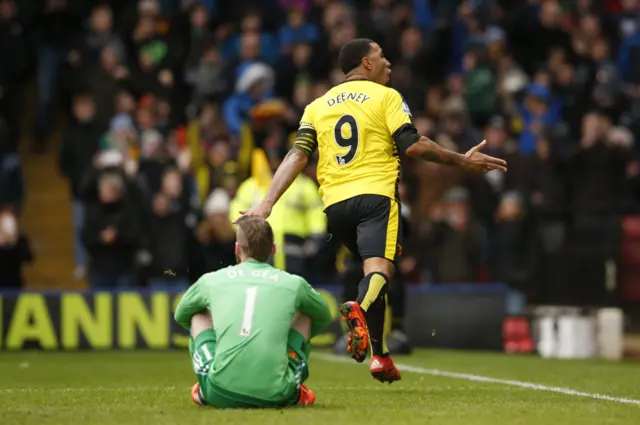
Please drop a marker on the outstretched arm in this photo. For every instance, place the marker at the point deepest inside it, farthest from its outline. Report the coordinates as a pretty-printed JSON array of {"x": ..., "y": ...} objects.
[
  {"x": 294, "y": 163},
  {"x": 405, "y": 134},
  {"x": 428, "y": 150},
  {"x": 472, "y": 161}
]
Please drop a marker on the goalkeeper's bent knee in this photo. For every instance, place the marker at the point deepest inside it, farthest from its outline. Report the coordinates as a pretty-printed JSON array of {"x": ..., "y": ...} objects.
[{"x": 372, "y": 290}]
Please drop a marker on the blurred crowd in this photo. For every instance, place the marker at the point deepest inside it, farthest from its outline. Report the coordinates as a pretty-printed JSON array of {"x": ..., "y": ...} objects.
[{"x": 169, "y": 100}]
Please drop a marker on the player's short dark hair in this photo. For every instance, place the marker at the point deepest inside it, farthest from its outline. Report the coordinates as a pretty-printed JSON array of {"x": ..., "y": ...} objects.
[
  {"x": 352, "y": 52},
  {"x": 255, "y": 236}
]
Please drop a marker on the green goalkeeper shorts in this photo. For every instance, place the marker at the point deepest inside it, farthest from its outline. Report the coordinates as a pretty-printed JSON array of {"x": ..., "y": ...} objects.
[{"x": 203, "y": 353}]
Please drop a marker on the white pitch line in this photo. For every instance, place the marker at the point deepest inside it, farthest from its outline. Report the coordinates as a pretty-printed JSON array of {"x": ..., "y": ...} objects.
[{"x": 479, "y": 378}]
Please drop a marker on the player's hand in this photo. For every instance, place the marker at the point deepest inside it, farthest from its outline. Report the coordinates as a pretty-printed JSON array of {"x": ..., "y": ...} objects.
[
  {"x": 480, "y": 163},
  {"x": 262, "y": 210}
]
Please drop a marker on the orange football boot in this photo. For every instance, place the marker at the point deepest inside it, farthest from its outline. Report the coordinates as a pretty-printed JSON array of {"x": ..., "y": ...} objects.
[
  {"x": 383, "y": 369},
  {"x": 195, "y": 394},
  {"x": 358, "y": 334},
  {"x": 307, "y": 397}
]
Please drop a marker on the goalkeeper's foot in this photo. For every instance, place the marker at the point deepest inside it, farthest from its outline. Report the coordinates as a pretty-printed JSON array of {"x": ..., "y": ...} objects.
[
  {"x": 196, "y": 396},
  {"x": 307, "y": 397},
  {"x": 358, "y": 334},
  {"x": 383, "y": 370}
]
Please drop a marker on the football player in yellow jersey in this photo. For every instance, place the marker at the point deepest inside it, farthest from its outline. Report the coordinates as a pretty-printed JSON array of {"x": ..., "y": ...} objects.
[{"x": 359, "y": 127}]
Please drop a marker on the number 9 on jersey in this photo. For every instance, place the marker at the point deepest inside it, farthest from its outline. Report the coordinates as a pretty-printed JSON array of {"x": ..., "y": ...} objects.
[{"x": 346, "y": 125}]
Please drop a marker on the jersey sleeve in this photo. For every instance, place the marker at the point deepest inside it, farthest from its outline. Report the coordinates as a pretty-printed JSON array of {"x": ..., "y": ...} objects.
[
  {"x": 398, "y": 119},
  {"x": 192, "y": 302},
  {"x": 306, "y": 136},
  {"x": 311, "y": 304}
]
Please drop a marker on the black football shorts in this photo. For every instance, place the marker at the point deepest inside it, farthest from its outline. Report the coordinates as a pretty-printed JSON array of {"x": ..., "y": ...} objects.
[{"x": 368, "y": 225}]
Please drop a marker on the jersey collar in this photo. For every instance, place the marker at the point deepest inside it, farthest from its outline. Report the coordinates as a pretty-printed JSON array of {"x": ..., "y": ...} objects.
[{"x": 354, "y": 79}]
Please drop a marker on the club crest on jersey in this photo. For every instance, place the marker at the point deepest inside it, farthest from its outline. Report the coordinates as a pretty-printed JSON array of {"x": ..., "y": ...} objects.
[{"x": 406, "y": 109}]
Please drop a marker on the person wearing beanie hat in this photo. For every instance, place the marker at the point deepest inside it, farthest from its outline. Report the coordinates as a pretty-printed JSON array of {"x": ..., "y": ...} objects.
[{"x": 215, "y": 236}]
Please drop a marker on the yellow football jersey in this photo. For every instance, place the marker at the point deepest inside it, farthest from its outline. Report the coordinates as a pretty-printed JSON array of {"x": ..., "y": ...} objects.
[{"x": 353, "y": 127}]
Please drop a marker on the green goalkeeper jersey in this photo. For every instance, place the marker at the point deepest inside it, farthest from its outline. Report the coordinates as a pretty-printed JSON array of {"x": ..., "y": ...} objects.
[{"x": 252, "y": 305}]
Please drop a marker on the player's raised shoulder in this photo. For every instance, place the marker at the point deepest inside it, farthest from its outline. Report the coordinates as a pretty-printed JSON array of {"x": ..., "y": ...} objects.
[
  {"x": 393, "y": 96},
  {"x": 395, "y": 102}
]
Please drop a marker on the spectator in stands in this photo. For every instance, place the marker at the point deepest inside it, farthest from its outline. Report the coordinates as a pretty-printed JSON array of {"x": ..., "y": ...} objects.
[
  {"x": 103, "y": 79},
  {"x": 628, "y": 55},
  {"x": 15, "y": 251},
  {"x": 479, "y": 87},
  {"x": 154, "y": 160},
  {"x": 539, "y": 28},
  {"x": 253, "y": 43},
  {"x": 547, "y": 192},
  {"x": 412, "y": 51},
  {"x": 514, "y": 256},
  {"x": 79, "y": 147},
  {"x": 537, "y": 114},
  {"x": 58, "y": 25},
  {"x": 111, "y": 232},
  {"x": 12, "y": 190},
  {"x": 293, "y": 67},
  {"x": 220, "y": 168},
  {"x": 91, "y": 43},
  {"x": 455, "y": 129},
  {"x": 215, "y": 235},
  {"x": 199, "y": 40},
  {"x": 598, "y": 167},
  {"x": 167, "y": 233},
  {"x": 455, "y": 239},
  {"x": 14, "y": 58},
  {"x": 254, "y": 86},
  {"x": 296, "y": 31},
  {"x": 152, "y": 75},
  {"x": 210, "y": 77}
]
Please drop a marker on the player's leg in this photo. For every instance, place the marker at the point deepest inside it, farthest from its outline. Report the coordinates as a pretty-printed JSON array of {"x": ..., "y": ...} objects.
[
  {"x": 298, "y": 349},
  {"x": 373, "y": 300},
  {"x": 379, "y": 242},
  {"x": 397, "y": 340},
  {"x": 351, "y": 273},
  {"x": 343, "y": 219},
  {"x": 202, "y": 345}
]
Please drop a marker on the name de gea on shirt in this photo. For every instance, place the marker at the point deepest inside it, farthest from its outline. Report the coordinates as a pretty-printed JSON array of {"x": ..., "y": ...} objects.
[{"x": 269, "y": 274}]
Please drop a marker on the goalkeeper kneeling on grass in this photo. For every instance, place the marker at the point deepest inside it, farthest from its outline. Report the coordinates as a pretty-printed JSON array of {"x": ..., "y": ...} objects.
[{"x": 250, "y": 328}]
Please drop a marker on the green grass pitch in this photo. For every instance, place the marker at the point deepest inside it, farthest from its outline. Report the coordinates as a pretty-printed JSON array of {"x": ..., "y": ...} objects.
[{"x": 153, "y": 388}]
